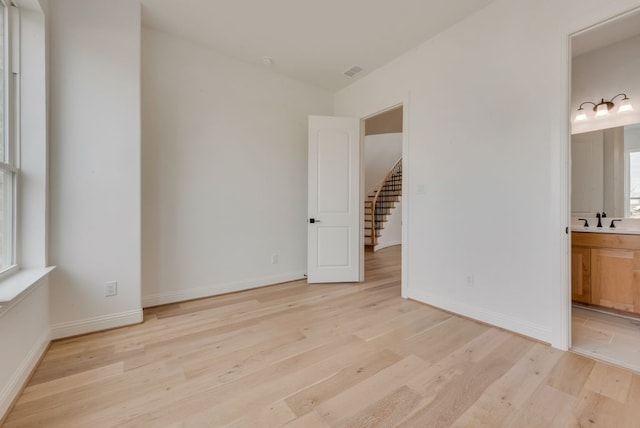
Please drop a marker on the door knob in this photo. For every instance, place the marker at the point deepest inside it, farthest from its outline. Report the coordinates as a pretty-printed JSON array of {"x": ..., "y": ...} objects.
[{"x": 313, "y": 220}]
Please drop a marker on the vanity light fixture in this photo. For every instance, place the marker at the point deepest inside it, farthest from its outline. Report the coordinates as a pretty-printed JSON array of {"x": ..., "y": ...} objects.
[
  {"x": 603, "y": 107},
  {"x": 625, "y": 105}
]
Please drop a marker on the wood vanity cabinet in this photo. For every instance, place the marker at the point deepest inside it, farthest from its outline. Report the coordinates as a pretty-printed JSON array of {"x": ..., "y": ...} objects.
[
  {"x": 605, "y": 270},
  {"x": 581, "y": 274}
]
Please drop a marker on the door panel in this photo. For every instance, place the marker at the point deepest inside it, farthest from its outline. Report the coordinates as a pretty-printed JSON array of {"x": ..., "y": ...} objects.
[
  {"x": 334, "y": 200},
  {"x": 338, "y": 239},
  {"x": 334, "y": 167},
  {"x": 616, "y": 279},
  {"x": 581, "y": 274}
]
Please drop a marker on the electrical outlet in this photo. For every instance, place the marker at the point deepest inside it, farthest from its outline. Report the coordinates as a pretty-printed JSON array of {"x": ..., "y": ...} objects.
[
  {"x": 469, "y": 280},
  {"x": 111, "y": 289},
  {"x": 274, "y": 259}
]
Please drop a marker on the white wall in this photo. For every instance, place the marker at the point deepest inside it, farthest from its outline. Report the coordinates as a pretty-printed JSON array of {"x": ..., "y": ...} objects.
[
  {"x": 486, "y": 177},
  {"x": 604, "y": 73},
  {"x": 392, "y": 232},
  {"x": 224, "y": 171},
  {"x": 381, "y": 152},
  {"x": 94, "y": 163},
  {"x": 24, "y": 334}
]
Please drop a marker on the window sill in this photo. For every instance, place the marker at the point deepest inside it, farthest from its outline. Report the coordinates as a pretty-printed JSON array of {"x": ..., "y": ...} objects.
[{"x": 19, "y": 284}]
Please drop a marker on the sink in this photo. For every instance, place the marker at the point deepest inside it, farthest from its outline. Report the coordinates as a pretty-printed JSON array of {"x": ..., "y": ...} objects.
[
  {"x": 593, "y": 229},
  {"x": 627, "y": 226}
]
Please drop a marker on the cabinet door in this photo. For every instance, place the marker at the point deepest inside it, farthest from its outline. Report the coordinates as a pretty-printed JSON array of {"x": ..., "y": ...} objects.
[
  {"x": 581, "y": 274},
  {"x": 615, "y": 279}
]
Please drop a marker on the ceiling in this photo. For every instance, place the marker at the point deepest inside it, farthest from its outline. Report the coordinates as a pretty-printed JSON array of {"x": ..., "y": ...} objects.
[
  {"x": 607, "y": 33},
  {"x": 311, "y": 41}
]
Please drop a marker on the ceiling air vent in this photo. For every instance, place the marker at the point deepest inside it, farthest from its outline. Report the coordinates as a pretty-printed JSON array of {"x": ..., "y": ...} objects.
[{"x": 353, "y": 71}]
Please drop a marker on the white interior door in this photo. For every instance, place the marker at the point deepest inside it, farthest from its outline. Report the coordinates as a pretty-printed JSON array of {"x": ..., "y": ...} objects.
[{"x": 334, "y": 232}]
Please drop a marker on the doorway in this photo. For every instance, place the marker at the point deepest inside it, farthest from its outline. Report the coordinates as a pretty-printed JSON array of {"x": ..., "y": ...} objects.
[
  {"x": 382, "y": 164},
  {"x": 605, "y": 254},
  {"x": 382, "y": 181}
]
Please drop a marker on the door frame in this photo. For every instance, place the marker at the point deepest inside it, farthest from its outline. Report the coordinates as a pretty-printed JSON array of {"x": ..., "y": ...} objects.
[
  {"x": 404, "y": 264},
  {"x": 563, "y": 319}
]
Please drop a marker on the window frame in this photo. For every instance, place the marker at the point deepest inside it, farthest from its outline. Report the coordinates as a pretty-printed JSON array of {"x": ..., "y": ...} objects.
[{"x": 10, "y": 164}]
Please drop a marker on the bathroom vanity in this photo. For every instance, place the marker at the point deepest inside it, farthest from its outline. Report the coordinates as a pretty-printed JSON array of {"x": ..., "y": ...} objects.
[
  {"x": 605, "y": 176},
  {"x": 605, "y": 268}
]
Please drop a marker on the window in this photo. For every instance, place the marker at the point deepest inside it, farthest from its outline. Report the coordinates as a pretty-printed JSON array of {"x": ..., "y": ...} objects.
[{"x": 9, "y": 154}]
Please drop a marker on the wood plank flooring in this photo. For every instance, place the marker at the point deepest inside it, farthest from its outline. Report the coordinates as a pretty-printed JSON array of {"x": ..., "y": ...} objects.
[{"x": 333, "y": 355}]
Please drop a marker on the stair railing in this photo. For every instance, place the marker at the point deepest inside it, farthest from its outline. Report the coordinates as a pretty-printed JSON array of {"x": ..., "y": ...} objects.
[{"x": 395, "y": 170}]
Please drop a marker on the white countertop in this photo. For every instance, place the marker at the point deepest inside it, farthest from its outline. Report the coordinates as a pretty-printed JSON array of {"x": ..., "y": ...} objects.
[{"x": 618, "y": 230}]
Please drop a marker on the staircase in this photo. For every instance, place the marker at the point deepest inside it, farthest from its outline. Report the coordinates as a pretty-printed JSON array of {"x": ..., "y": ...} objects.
[{"x": 380, "y": 202}]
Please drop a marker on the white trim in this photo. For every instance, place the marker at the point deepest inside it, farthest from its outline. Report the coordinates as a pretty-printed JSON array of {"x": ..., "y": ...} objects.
[
  {"x": 363, "y": 198},
  {"x": 561, "y": 295},
  {"x": 8, "y": 167},
  {"x": 28, "y": 4},
  {"x": 90, "y": 325},
  {"x": 506, "y": 322},
  {"x": 561, "y": 314},
  {"x": 214, "y": 290},
  {"x": 386, "y": 245},
  {"x": 20, "y": 285},
  {"x": 20, "y": 377},
  {"x": 404, "y": 201}
]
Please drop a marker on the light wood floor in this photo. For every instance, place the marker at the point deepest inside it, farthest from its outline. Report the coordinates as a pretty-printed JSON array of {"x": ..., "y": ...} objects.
[
  {"x": 607, "y": 337},
  {"x": 301, "y": 355}
]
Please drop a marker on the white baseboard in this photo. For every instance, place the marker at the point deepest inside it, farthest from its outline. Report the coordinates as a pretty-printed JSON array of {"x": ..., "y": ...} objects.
[
  {"x": 506, "y": 322},
  {"x": 11, "y": 390},
  {"x": 214, "y": 290},
  {"x": 386, "y": 244},
  {"x": 90, "y": 325}
]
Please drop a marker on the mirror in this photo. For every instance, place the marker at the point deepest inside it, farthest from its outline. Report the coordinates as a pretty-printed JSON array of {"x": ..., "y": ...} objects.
[{"x": 605, "y": 172}]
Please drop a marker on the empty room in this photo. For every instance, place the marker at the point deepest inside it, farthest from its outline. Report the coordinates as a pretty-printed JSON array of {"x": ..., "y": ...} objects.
[{"x": 348, "y": 213}]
